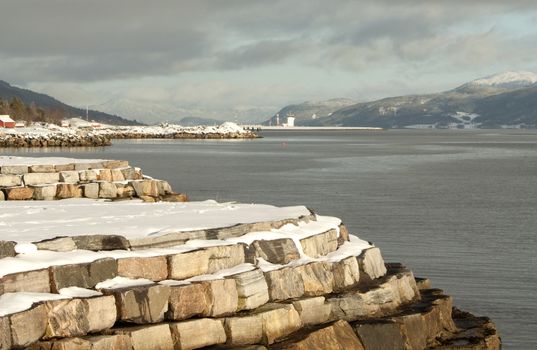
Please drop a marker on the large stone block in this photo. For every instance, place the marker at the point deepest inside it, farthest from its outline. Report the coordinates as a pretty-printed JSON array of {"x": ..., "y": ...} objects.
[
  {"x": 197, "y": 334},
  {"x": 371, "y": 264},
  {"x": 223, "y": 297},
  {"x": 19, "y": 193},
  {"x": 28, "y": 326},
  {"x": 124, "y": 190},
  {"x": 397, "y": 290},
  {"x": 64, "y": 167},
  {"x": 2, "y": 196},
  {"x": 46, "y": 192},
  {"x": 189, "y": 300},
  {"x": 10, "y": 180},
  {"x": 87, "y": 175},
  {"x": 317, "y": 278},
  {"x": 148, "y": 337},
  {"x": 152, "y": 268},
  {"x": 117, "y": 175},
  {"x": 40, "y": 178},
  {"x": 186, "y": 265},
  {"x": 85, "y": 275},
  {"x": 284, "y": 284},
  {"x": 312, "y": 311},
  {"x": 42, "y": 168},
  {"x": 14, "y": 169},
  {"x": 101, "y": 242},
  {"x": 205, "y": 261},
  {"x": 128, "y": 173},
  {"x": 69, "y": 176},
  {"x": 68, "y": 190},
  {"x": 59, "y": 244},
  {"x": 77, "y": 317},
  {"x": 5, "y": 333},
  {"x": 101, "y": 342},
  {"x": 107, "y": 190},
  {"x": 252, "y": 289},
  {"x": 320, "y": 244},
  {"x": 91, "y": 190},
  {"x": 276, "y": 251},
  {"x": 381, "y": 335},
  {"x": 244, "y": 330},
  {"x": 337, "y": 336},
  {"x": 224, "y": 257},
  {"x": 36, "y": 281},
  {"x": 346, "y": 273},
  {"x": 141, "y": 304},
  {"x": 279, "y": 320},
  {"x": 113, "y": 164},
  {"x": 145, "y": 188}
]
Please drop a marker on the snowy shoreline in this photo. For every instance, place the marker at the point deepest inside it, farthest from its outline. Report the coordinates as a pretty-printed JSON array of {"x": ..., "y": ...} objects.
[{"x": 93, "y": 135}]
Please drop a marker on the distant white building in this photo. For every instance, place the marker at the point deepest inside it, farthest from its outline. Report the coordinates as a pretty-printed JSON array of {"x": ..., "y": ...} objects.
[{"x": 290, "y": 122}]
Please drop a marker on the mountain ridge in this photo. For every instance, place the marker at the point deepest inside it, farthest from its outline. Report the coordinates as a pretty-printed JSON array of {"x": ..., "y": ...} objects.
[{"x": 8, "y": 92}]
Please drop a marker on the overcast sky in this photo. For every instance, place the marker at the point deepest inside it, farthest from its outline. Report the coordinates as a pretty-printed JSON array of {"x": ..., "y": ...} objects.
[{"x": 229, "y": 53}]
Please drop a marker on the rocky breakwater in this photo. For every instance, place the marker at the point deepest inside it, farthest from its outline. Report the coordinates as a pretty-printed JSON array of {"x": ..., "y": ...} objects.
[
  {"x": 135, "y": 275},
  {"x": 53, "y": 139},
  {"x": 23, "y": 178},
  {"x": 169, "y": 131}
]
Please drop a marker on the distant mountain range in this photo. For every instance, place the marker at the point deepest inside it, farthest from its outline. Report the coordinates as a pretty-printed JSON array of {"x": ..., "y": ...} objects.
[
  {"x": 308, "y": 112},
  {"x": 155, "y": 112},
  {"x": 505, "y": 99},
  {"x": 8, "y": 92}
]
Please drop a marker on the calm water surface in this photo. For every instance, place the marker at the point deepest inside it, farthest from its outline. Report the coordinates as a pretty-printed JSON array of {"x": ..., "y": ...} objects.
[{"x": 459, "y": 207}]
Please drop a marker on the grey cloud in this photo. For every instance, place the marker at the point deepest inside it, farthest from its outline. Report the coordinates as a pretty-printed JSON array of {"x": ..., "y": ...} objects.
[{"x": 69, "y": 40}]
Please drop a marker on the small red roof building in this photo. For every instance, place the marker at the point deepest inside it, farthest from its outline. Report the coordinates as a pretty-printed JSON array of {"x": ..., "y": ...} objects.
[{"x": 6, "y": 121}]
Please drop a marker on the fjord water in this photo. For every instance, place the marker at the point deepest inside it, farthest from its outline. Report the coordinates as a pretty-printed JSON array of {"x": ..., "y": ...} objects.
[{"x": 459, "y": 207}]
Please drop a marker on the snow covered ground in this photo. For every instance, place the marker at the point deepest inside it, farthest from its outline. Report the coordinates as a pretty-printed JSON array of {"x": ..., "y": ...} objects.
[{"x": 31, "y": 221}]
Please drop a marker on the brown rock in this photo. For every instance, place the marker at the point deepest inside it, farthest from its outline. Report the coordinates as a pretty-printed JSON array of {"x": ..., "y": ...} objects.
[
  {"x": 190, "y": 264},
  {"x": 105, "y": 175},
  {"x": 40, "y": 178},
  {"x": 68, "y": 190},
  {"x": 7, "y": 249},
  {"x": 175, "y": 197},
  {"x": 337, "y": 336},
  {"x": 244, "y": 330},
  {"x": 145, "y": 187},
  {"x": 64, "y": 167},
  {"x": 371, "y": 264},
  {"x": 152, "y": 268},
  {"x": 19, "y": 193},
  {"x": 189, "y": 300},
  {"x": 141, "y": 304},
  {"x": 10, "y": 180},
  {"x": 87, "y": 175},
  {"x": 5, "y": 333},
  {"x": 312, "y": 311},
  {"x": 284, "y": 284},
  {"x": 197, "y": 334},
  {"x": 36, "y": 281},
  {"x": 279, "y": 320},
  {"x": 69, "y": 176},
  {"x": 317, "y": 278},
  {"x": 148, "y": 337},
  {"x": 107, "y": 190},
  {"x": 381, "y": 335},
  {"x": 252, "y": 289},
  {"x": 101, "y": 242},
  {"x": 223, "y": 297},
  {"x": 28, "y": 326},
  {"x": 320, "y": 244},
  {"x": 47, "y": 192},
  {"x": 42, "y": 168},
  {"x": 346, "y": 273},
  {"x": 14, "y": 169},
  {"x": 276, "y": 251},
  {"x": 91, "y": 190},
  {"x": 85, "y": 275}
]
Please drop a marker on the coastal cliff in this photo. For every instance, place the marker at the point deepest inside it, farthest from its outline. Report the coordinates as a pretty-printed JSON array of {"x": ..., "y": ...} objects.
[{"x": 107, "y": 273}]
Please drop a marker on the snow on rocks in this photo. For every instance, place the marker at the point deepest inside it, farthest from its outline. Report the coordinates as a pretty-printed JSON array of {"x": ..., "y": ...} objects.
[{"x": 50, "y": 135}]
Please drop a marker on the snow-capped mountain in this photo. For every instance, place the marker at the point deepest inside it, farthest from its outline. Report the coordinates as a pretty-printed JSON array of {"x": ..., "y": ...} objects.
[{"x": 507, "y": 80}]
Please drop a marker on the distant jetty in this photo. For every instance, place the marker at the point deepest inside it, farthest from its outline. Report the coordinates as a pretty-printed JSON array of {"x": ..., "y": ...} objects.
[{"x": 48, "y": 135}]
